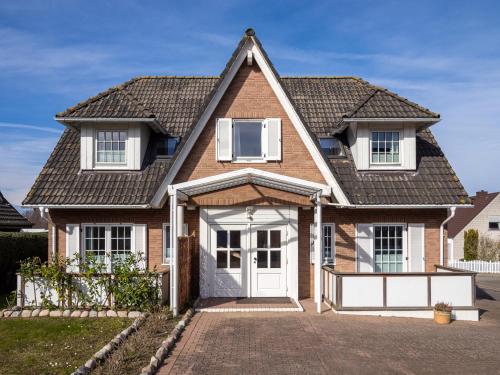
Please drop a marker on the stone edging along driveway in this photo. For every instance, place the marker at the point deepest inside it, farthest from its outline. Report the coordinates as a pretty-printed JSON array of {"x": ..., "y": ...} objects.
[{"x": 16, "y": 312}]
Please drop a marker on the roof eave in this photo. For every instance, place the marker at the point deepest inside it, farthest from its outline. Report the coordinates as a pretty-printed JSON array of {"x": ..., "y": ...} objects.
[{"x": 73, "y": 122}]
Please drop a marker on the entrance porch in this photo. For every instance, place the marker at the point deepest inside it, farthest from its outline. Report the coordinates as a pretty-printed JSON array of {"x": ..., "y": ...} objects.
[{"x": 248, "y": 248}]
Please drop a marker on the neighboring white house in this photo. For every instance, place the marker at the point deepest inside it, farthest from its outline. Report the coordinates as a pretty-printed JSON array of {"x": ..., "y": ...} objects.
[{"x": 484, "y": 217}]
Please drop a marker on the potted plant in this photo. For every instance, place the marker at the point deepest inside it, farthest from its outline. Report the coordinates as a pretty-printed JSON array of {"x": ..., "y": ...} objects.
[{"x": 442, "y": 313}]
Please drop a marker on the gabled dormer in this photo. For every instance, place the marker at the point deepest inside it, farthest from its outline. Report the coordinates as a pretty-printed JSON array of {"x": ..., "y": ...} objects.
[
  {"x": 112, "y": 139},
  {"x": 382, "y": 131}
]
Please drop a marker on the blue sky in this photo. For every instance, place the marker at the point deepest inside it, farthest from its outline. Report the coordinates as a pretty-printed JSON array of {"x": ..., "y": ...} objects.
[{"x": 444, "y": 55}]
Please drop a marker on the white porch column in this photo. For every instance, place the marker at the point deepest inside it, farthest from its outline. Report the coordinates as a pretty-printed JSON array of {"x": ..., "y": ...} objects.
[
  {"x": 174, "y": 254},
  {"x": 318, "y": 226},
  {"x": 180, "y": 220}
]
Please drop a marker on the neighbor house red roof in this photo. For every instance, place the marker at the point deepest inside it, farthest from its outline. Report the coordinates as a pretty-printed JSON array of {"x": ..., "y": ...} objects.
[{"x": 464, "y": 216}]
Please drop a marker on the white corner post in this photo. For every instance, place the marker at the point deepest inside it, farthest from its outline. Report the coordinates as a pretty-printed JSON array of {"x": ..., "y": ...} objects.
[
  {"x": 441, "y": 235},
  {"x": 174, "y": 278},
  {"x": 318, "y": 225}
]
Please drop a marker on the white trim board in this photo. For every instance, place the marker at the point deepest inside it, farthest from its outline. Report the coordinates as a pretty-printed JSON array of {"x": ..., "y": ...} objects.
[{"x": 259, "y": 58}]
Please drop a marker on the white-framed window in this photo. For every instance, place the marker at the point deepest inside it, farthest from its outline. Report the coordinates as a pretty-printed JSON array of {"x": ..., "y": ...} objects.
[
  {"x": 328, "y": 243},
  {"x": 109, "y": 243},
  {"x": 388, "y": 247},
  {"x": 385, "y": 147},
  {"x": 248, "y": 140},
  {"x": 111, "y": 147},
  {"x": 166, "y": 244},
  {"x": 331, "y": 147}
]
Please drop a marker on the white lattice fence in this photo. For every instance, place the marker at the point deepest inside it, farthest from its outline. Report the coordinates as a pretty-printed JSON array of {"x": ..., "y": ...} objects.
[{"x": 475, "y": 265}]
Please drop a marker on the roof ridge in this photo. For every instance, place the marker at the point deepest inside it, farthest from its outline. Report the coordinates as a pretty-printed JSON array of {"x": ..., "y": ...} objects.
[
  {"x": 400, "y": 98},
  {"x": 174, "y": 76},
  {"x": 320, "y": 77},
  {"x": 93, "y": 99}
]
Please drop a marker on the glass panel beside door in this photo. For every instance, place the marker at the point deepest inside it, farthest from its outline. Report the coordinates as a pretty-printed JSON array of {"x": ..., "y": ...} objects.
[{"x": 388, "y": 248}]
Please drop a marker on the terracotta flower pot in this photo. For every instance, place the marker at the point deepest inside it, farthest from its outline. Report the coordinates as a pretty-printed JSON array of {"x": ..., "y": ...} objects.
[{"x": 442, "y": 317}]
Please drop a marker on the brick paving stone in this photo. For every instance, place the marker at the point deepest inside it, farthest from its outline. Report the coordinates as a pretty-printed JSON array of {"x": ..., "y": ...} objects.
[{"x": 303, "y": 343}]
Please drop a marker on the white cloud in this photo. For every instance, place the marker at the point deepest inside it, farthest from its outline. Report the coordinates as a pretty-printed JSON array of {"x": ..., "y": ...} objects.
[{"x": 30, "y": 127}]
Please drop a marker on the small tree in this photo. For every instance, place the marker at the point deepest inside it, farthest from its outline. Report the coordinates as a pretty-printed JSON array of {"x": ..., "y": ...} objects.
[
  {"x": 471, "y": 241},
  {"x": 488, "y": 249}
]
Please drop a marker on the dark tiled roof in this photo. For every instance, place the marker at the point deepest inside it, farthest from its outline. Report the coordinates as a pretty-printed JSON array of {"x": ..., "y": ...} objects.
[
  {"x": 62, "y": 182},
  {"x": 381, "y": 103},
  {"x": 433, "y": 182},
  {"x": 176, "y": 103},
  {"x": 10, "y": 219},
  {"x": 464, "y": 216}
]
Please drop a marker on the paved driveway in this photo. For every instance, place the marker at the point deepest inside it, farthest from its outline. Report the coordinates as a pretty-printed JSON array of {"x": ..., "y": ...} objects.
[{"x": 299, "y": 343}]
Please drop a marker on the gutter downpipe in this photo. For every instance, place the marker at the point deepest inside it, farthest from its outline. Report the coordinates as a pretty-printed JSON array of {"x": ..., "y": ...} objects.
[{"x": 441, "y": 234}]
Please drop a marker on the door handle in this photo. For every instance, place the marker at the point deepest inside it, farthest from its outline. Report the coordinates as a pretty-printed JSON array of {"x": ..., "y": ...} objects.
[{"x": 254, "y": 259}]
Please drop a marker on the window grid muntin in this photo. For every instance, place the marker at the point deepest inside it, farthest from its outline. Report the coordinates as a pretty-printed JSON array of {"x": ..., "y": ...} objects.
[
  {"x": 103, "y": 234},
  {"x": 385, "y": 147},
  {"x": 269, "y": 248},
  {"x": 121, "y": 243},
  {"x": 327, "y": 242},
  {"x": 228, "y": 257},
  {"x": 111, "y": 147},
  {"x": 387, "y": 242},
  {"x": 95, "y": 242}
]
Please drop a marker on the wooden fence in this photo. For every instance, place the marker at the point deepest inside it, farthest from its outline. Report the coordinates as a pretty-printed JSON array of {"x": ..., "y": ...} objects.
[
  {"x": 482, "y": 266},
  {"x": 187, "y": 264}
]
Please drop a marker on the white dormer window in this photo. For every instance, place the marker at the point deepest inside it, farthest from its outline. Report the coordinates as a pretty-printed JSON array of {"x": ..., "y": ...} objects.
[
  {"x": 111, "y": 147},
  {"x": 385, "y": 147},
  {"x": 248, "y": 140}
]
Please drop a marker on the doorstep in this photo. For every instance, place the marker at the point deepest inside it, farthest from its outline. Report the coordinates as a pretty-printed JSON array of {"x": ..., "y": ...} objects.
[{"x": 247, "y": 304}]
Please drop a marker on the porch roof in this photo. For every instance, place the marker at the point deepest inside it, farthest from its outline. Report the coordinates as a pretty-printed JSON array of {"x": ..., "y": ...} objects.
[{"x": 252, "y": 176}]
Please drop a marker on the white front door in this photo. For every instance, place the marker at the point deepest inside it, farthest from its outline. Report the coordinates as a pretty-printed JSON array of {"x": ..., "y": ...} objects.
[
  {"x": 268, "y": 260},
  {"x": 228, "y": 254}
]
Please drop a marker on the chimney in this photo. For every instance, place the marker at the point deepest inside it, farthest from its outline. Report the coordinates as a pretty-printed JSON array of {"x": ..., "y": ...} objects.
[{"x": 480, "y": 196}]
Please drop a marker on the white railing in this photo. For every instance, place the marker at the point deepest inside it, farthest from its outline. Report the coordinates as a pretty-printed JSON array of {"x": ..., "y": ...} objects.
[
  {"x": 405, "y": 291},
  {"x": 483, "y": 266}
]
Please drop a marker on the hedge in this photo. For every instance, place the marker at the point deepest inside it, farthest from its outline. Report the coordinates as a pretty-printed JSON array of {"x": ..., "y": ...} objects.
[{"x": 14, "y": 247}]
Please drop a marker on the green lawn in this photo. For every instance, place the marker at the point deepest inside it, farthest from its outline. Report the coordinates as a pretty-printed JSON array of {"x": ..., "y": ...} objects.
[{"x": 53, "y": 345}]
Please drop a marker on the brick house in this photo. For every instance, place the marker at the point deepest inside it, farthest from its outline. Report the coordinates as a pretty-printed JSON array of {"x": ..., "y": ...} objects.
[{"x": 273, "y": 176}]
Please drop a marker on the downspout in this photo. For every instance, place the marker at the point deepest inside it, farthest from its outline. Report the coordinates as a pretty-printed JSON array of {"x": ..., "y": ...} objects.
[{"x": 441, "y": 235}]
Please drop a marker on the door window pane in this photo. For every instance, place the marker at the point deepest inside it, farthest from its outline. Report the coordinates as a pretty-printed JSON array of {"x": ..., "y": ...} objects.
[
  {"x": 275, "y": 258},
  {"x": 235, "y": 239},
  {"x": 235, "y": 259},
  {"x": 275, "y": 238},
  {"x": 221, "y": 259},
  {"x": 262, "y": 239},
  {"x": 221, "y": 239},
  {"x": 262, "y": 259}
]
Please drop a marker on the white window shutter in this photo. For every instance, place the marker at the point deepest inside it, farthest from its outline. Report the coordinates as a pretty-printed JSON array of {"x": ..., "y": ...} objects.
[
  {"x": 416, "y": 251},
  {"x": 73, "y": 247},
  {"x": 364, "y": 247},
  {"x": 271, "y": 139},
  {"x": 312, "y": 238},
  {"x": 140, "y": 243},
  {"x": 224, "y": 135}
]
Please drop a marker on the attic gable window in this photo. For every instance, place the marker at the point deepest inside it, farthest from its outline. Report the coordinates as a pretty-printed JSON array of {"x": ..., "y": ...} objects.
[
  {"x": 111, "y": 147},
  {"x": 331, "y": 147},
  {"x": 247, "y": 139},
  {"x": 385, "y": 147}
]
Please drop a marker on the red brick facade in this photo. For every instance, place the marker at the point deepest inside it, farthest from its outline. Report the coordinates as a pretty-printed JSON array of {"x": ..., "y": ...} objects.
[{"x": 250, "y": 96}]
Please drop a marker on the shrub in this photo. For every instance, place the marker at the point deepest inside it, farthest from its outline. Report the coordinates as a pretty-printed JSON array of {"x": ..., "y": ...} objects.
[
  {"x": 443, "y": 307},
  {"x": 14, "y": 247},
  {"x": 129, "y": 286},
  {"x": 471, "y": 239},
  {"x": 488, "y": 249}
]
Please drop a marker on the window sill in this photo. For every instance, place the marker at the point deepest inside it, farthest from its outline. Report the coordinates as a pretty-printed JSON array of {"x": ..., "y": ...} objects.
[{"x": 252, "y": 161}]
